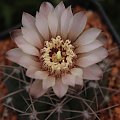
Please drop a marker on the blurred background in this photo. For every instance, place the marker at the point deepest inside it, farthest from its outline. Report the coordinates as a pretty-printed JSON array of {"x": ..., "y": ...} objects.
[{"x": 11, "y": 11}]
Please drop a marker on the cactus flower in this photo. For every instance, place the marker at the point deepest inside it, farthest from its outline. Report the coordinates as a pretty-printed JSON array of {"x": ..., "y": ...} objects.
[{"x": 56, "y": 49}]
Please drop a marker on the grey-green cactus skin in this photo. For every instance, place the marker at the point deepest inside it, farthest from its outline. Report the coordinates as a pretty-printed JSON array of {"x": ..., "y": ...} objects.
[{"x": 84, "y": 103}]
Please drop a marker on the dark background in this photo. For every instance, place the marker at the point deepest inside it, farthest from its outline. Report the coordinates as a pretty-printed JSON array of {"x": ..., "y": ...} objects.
[{"x": 11, "y": 11}]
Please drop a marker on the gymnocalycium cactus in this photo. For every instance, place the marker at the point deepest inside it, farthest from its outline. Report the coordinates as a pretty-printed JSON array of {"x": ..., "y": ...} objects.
[{"x": 61, "y": 78}]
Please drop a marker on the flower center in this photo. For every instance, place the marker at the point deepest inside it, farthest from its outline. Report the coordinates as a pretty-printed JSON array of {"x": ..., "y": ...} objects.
[{"x": 58, "y": 55}]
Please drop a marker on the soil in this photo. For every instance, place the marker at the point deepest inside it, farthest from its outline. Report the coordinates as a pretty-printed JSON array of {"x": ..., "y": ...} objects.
[
  {"x": 94, "y": 20},
  {"x": 5, "y": 113}
]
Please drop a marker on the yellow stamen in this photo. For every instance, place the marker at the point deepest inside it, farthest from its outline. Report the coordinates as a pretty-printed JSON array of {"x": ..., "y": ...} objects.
[{"x": 58, "y": 55}]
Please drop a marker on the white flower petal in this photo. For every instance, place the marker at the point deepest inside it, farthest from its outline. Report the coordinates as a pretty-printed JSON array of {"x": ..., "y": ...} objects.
[
  {"x": 29, "y": 49},
  {"x": 32, "y": 37},
  {"x": 16, "y": 55},
  {"x": 78, "y": 73},
  {"x": 60, "y": 89},
  {"x": 36, "y": 89},
  {"x": 27, "y": 61},
  {"x": 28, "y": 21},
  {"x": 88, "y": 36},
  {"x": 89, "y": 47},
  {"x": 31, "y": 71},
  {"x": 65, "y": 18},
  {"x": 41, "y": 75},
  {"x": 77, "y": 25},
  {"x": 36, "y": 73},
  {"x": 93, "y": 57},
  {"x": 68, "y": 79},
  {"x": 48, "y": 82},
  {"x": 22, "y": 44},
  {"x": 59, "y": 9},
  {"x": 79, "y": 81},
  {"x": 53, "y": 23},
  {"x": 46, "y": 8},
  {"x": 42, "y": 26},
  {"x": 92, "y": 73}
]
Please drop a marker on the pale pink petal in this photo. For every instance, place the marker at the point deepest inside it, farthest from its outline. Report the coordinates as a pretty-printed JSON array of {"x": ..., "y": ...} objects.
[
  {"x": 16, "y": 55},
  {"x": 90, "y": 58},
  {"x": 16, "y": 52},
  {"x": 89, "y": 47},
  {"x": 78, "y": 73},
  {"x": 93, "y": 72},
  {"x": 68, "y": 79},
  {"x": 46, "y": 8},
  {"x": 41, "y": 75},
  {"x": 28, "y": 21},
  {"x": 32, "y": 37},
  {"x": 36, "y": 89},
  {"x": 36, "y": 73},
  {"x": 79, "y": 81},
  {"x": 65, "y": 18},
  {"x": 42, "y": 26},
  {"x": 59, "y": 9},
  {"x": 31, "y": 71},
  {"x": 60, "y": 89},
  {"x": 48, "y": 82},
  {"x": 22, "y": 44},
  {"x": 88, "y": 36},
  {"x": 29, "y": 49},
  {"x": 77, "y": 25},
  {"x": 53, "y": 23},
  {"x": 27, "y": 61}
]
